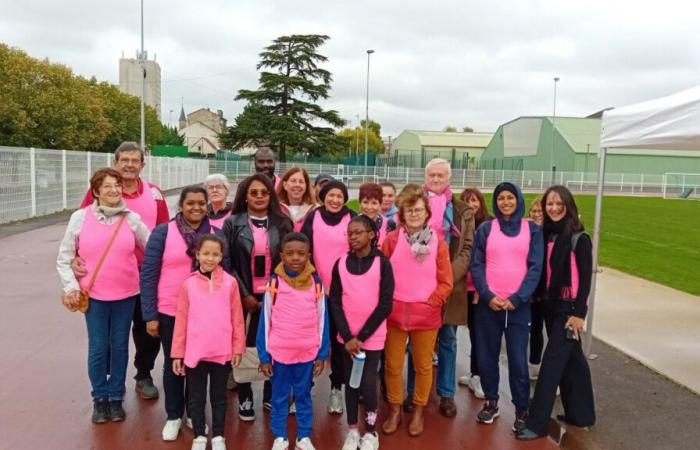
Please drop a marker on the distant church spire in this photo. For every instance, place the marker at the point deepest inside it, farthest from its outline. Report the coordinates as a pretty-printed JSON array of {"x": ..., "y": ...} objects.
[{"x": 182, "y": 122}]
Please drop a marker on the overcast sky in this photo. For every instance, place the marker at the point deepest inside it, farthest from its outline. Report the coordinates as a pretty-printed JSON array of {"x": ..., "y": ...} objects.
[{"x": 478, "y": 63}]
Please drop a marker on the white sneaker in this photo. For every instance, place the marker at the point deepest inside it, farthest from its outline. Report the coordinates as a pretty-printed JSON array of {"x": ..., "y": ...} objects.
[
  {"x": 171, "y": 429},
  {"x": 352, "y": 440},
  {"x": 335, "y": 402},
  {"x": 199, "y": 443},
  {"x": 191, "y": 427},
  {"x": 465, "y": 380},
  {"x": 533, "y": 370},
  {"x": 370, "y": 441},
  {"x": 435, "y": 359},
  {"x": 292, "y": 408},
  {"x": 218, "y": 443},
  {"x": 305, "y": 444},
  {"x": 475, "y": 386},
  {"x": 280, "y": 444}
]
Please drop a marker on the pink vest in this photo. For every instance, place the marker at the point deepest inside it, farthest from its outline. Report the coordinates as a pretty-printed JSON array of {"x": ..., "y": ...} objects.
[
  {"x": 261, "y": 246},
  {"x": 219, "y": 223},
  {"x": 145, "y": 205},
  {"x": 414, "y": 281},
  {"x": 119, "y": 276},
  {"x": 382, "y": 232},
  {"x": 209, "y": 328},
  {"x": 294, "y": 334},
  {"x": 574, "y": 270},
  {"x": 506, "y": 259},
  {"x": 360, "y": 299},
  {"x": 330, "y": 243},
  {"x": 176, "y": 266}
]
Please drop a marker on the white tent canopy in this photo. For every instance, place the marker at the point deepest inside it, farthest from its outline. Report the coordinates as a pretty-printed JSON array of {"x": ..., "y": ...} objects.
[
  {"x": 667, "y": 123},
  {"x": 671, "y": 122}
]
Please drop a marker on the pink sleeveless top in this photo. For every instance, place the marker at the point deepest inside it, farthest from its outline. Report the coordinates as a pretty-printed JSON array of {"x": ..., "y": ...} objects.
[
  {"x": 261, "y": 246},
  {"x": 294, "y": 334},
  {"x": 219, "y": 223},
  {"x": 209, "y": 325},
  {"x": 574, "y": 270},
  {"x": 176, "y": 266},
  {"x": 360, "y": 299},
  {"x": 382, "y": 232},
  {"x": 330, "y": 243},
  {"x": 119, "y": 276},
  {"x": 145, "y": 205},
  {"x": 506, "y": 259},
  {"x": 414, "y": 281}
]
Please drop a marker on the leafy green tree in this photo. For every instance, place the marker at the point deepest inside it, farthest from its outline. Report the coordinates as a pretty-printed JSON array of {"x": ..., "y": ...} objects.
[
  {"x": 450, "y": 129},
  {"x": 467, "y": 129},
  {"x": 374, "y": 126},
  {"x": 169, "y": 136},
  {"x": 250, "y": 126},
  {"x": 285, "y": 104},
  {"x": 355, "y": 135}
]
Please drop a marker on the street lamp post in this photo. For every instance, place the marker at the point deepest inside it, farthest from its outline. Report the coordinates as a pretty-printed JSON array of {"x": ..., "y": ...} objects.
[
  {"x": 357, "y": 138},
  {"x": 143, "y": 87},
  {"x": 369, "y": 52},
  {"x": 552, "y": 165}
]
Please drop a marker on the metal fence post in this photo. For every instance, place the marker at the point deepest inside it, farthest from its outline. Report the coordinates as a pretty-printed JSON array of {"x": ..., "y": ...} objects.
[
  {"x": 64, "y": 181},
  {"x": 89, "y": 167},
  {"x": 464, "y": 177},
  {"x": 32, "y": 178},
  {"x": 483, "y": 178},
  {"x": 641, "y": 184}
]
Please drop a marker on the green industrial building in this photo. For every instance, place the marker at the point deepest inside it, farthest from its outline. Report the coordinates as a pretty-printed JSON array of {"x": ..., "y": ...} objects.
[
  {"x": 414, "y": 148},
  {"x": 571, "y": 144}
]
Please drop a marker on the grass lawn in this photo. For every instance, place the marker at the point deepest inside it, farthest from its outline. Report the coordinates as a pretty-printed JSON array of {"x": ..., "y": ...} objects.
[{"x": 648, "y": 237}]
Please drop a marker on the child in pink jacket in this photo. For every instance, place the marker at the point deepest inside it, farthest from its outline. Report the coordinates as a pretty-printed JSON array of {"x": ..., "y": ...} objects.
[{"x": 209, "y": 331}]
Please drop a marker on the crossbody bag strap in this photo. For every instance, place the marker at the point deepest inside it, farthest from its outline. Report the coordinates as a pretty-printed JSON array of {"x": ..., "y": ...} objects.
[{"x": 104, "y": 254}]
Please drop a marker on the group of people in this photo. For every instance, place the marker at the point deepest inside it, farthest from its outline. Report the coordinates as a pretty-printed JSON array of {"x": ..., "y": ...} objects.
[{"x": 290, "y": 279}]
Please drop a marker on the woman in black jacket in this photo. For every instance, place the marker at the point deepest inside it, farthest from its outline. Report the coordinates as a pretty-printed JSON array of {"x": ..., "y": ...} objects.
[
  {"x": 254, "y": 234},
  {"x": 564, "y": 289}
]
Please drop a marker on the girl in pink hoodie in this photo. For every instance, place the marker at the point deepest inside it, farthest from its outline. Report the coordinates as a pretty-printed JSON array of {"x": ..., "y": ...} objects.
[{"x": 209, "y": 331}]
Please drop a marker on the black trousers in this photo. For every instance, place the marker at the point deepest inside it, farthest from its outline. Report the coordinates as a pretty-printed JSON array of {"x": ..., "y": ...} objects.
[
  {"x": 217, "y": 375},
  {"x": 174, "y": 386},
  {"x": 536, "y": 332},
  {"x": 337, "y": 354},
  {"x": 563, "y": 365},
  {"x": 471, "y": 325},
  {"x": 245, "y": 390},
  {"x": 147, "y": 346},
  {"x": 368, "y": 388}
]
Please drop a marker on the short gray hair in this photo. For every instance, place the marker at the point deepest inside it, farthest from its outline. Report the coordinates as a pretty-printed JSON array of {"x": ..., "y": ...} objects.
[
  {"x": 217, "y": 178},
  {"x": 129, "y": 146},
  {"x": 438, "y": 161}
]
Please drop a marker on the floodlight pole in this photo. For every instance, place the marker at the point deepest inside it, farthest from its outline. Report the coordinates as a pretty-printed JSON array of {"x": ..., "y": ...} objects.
[
  {"x": 369, "y": 52},
  {"x": 552, "y": 167},
  {"x": 588, "y": 337},
  {"x": 142, "y": 63}
]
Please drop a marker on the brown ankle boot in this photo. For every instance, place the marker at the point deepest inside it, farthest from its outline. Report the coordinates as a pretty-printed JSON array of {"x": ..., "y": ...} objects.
[
  {"x": 415, "y": 427},
  {"x": 391, "y": 424}
]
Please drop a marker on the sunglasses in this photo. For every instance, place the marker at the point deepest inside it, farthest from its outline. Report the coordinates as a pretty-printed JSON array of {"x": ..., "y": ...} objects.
[{"x": 259, "y": 193}]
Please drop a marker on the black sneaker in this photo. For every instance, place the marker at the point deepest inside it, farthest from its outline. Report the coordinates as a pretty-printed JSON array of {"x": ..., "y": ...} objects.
[
  {"x": 245, "y": 410},
  {"x": 488, "y": 412},
  {"x": 519, "y": 424},
  {"x": 116, "y": 412},
  {"x": 408, "y": 406},
  {"x": 146, "y": 389},
  {"x": 267, "y": 405},
  {"x": 100, "y": 411}
]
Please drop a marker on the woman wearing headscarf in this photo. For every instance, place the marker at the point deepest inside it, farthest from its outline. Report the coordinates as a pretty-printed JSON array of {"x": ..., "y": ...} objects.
[
  {"x": 170, "y": 259},
  {"x": 564, "y": 288},
  {"x": 506, "y": 267},
  {"x": 254, "y": 235},
  {"x": 326, "y": 227}
]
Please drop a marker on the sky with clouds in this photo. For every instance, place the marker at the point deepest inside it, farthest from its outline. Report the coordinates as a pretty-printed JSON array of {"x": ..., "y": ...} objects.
[{"x": 478, "y": 63}]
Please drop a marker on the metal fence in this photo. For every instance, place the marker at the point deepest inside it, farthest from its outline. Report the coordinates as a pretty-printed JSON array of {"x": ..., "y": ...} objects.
[
  {"x": 532, "y": 181},
  {"x": 37, "y": 182}
]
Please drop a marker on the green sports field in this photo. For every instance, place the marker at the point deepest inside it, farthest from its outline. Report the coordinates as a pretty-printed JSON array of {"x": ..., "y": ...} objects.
[{"x": 648, "y": 237}]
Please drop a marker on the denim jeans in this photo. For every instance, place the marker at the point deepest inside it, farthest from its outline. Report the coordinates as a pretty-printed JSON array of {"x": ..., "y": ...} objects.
[
  {"x": 447, "y": 361},
  {"x": 108, "y": 324}
]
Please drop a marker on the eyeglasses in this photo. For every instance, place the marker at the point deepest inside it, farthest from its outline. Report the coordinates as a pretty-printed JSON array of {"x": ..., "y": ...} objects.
[
  {"x": 216, "y": 187},
  {"x": 259, "y": 193},
  {"x": 415, "y": 211}
]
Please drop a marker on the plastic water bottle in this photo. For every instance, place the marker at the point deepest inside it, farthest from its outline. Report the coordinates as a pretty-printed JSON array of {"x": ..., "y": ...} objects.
[{"x": 358, "y": 365}]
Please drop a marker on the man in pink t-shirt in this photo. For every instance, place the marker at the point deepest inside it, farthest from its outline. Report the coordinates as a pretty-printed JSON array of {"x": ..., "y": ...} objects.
[{"x": 148, "y": 201}]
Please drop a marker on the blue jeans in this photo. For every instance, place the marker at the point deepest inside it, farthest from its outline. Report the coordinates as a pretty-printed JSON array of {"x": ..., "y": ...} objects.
[
  {"x": 490, "y": 327},
  {"x": 288, "y": 378},
  {"x": 447, "y": 363},
  {"x": 108, "y": 324}
]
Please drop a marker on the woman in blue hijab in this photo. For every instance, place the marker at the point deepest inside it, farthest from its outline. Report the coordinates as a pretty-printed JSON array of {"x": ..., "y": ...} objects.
[{"x": 506, "y": 266}]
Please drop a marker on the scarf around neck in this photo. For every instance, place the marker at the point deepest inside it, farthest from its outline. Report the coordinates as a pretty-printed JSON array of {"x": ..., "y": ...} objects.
[
  {"x": 391, "y": 213},
  {"x": 303, "y": 280},
  {"x": 190, "y": 235},
  {"x": 442, "y": 217},
  {"x": 559, "y": 261},
  {"x": 419, "y": 241},
  {"x": 333, "y": 219},
  {"x": 110, "y": 211}
]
